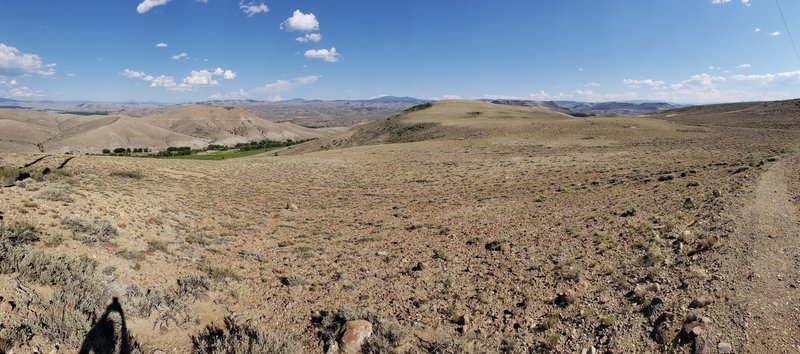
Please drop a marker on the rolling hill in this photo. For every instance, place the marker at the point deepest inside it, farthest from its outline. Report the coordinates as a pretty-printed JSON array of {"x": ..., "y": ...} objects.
[{"x": 195, "y": 126}]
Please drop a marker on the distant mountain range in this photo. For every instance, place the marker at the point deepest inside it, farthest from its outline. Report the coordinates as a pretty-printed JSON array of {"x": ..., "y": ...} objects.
[{"x": 589, "y": 109}]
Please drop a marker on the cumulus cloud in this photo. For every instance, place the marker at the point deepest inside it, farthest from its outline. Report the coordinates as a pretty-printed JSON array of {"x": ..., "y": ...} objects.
[
  {"x": 757, "y": 30},
  {"x": 632, "y": 83},
  {"x": 301, "y": 22},
  {"x": 161, "y": 45},
  {"x": 775, "y": 34},
  {"x": 180, "y": 56},
  {"x": 744, "y": 66},
  {"x": 310, "y": 37},
  {"x": 163, "y": 81},
  {"x": 14, "y": 63},
  {"x": 251, "y": 8},
  {"x": 207, "y": 77},
  {"x": 591, "y": 84},
  {"x": 327, "y": 55},
  {"x": 146, "y": 5}
]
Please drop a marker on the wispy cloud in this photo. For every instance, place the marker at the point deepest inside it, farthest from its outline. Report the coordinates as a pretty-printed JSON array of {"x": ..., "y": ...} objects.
[
  {"x": 180, "y": 56},
  {"x": 633, "y": 83},
  {"x": 146, "y": 5},
  {"x": 252, "y": 8},
  {"x": 271, "y": 91},
  {"x": 775, "y": 34},
  {"x": 744, "y": 66},
  {"x": 161, "y": 45}
]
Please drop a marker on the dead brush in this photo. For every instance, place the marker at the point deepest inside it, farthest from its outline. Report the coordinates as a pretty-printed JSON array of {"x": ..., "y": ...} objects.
[{"x": 235, "y": 337}]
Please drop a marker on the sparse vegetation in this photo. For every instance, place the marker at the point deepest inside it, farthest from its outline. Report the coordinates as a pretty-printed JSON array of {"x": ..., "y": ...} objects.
[{"x": 242, "y": 338}]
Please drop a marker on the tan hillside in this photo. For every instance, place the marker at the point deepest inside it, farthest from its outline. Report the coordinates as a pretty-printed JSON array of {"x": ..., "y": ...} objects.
[
  {"x": 459, "y": 120},
  {"x": 195, "y": 126}
]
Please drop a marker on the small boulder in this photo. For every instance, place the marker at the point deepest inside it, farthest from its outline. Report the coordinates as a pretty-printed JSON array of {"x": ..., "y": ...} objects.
[
  {"x": 8, "y": 306},
  {"x": 688, "y": 203},
  {"x": 353, "y": 335},
  {"x": 291, "y": 206},
  {"x": 724, "y": 348},
  {"x": 419, "y": 267},
  {"x": 501, "y": 246},
  {"x": 701, "y": 301}
]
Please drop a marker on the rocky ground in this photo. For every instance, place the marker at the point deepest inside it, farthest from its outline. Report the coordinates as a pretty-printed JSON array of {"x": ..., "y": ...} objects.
[{"x": 619, "y": 234}]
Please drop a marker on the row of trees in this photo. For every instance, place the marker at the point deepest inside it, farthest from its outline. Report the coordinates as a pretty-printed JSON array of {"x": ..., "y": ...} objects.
[
  {"x": 125, "y": 151},
  {"x": 185, "y": 150}
]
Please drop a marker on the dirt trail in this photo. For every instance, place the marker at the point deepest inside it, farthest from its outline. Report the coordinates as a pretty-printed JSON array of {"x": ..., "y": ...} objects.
[{"x": 765, "y": 278}]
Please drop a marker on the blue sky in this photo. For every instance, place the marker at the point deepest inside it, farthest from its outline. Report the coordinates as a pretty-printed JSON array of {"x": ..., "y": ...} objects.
[{"x": 674, "y": 50}]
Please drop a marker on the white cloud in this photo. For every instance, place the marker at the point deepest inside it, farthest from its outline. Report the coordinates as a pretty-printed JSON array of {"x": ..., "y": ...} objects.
[
  {"x": 225, "y": 74},
  {"x": 180, "y": 56},
  {"x": 301, "y": 22},
  {"x": 14, "y": 63},
  {"x": 757, "y": 30},
  {"x": 310, "y": 37},
  {"x": 167, "y": 82},
  {"x": 767, "y": 78},
  {"x": 717, "y": 2},
  {"x": 161, "y": 45},
  {"x": 712, "y": 67},
  {"x": 591, "y": 84},
  {"x": 200, "y": 77},
  {"x": 206, "y": 77},
  {"x": 71, "y": 75},
  {"x": 271, "y": 91},
  {"x": 444, "y": 97},
  {"x": 328, "y": 55},
  {"x": 744, "y": 66},
  {"x": 775, "y": 34},
  {"x": 746, "y": 3},
  {"x": 632, "y": 83},
  {"x": 251, "y": 8},
  {"x": 24, "y": 92},
  {"x": 146, "y": 5},
  {"x": 8, "y": 82}
]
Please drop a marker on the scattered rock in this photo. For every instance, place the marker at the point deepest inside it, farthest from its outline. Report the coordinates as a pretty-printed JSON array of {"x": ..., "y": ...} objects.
[
  {"x": 724, "y": 348},
  {"x": 741, "y": 169},
  {"x": 565, "y": 299},
  {"x": 662, "y": 328},
  {"x": 501, "y": 246},
  {"x": 8, "y": 306},
  {"x": 666, "y": 177},
  {"x": 383, "y": 253},
  {"x": 354, "y": 333},
  {"x": 590, "y": 350},
  {"x": 159, "y": 351},
  {"x": 419, "y": 267},
  {"x": 717, "y": 193},
  {"x": 291, "y": 206},
  {"x": 700, "y": 346},
  {"x": 688, "y": 203},
  {"x": 693, "y": 184},
  {"x": 701, "y": 301},
  {"x": 628, "y": 213},
  {"x": 694, "y": 329}
]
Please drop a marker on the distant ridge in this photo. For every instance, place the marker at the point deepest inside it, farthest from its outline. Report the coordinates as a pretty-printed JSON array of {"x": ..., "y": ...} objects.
[{"x": 589, "y": 109}]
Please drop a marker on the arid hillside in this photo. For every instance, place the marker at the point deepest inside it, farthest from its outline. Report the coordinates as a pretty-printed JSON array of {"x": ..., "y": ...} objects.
[
  {"x": 460, "y": 227},
  {"x": 194, "y": 126}
]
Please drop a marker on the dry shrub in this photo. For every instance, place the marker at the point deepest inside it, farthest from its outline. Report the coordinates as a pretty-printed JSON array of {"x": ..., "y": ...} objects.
[
  {"x": 249, "y": 337},
  {"x": 56, "y": 192},
  {"x": 89, "y": 232}
]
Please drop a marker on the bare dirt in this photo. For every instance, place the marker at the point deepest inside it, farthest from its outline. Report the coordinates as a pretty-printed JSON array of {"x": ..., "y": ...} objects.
[{"x": 507, "y": 230}]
